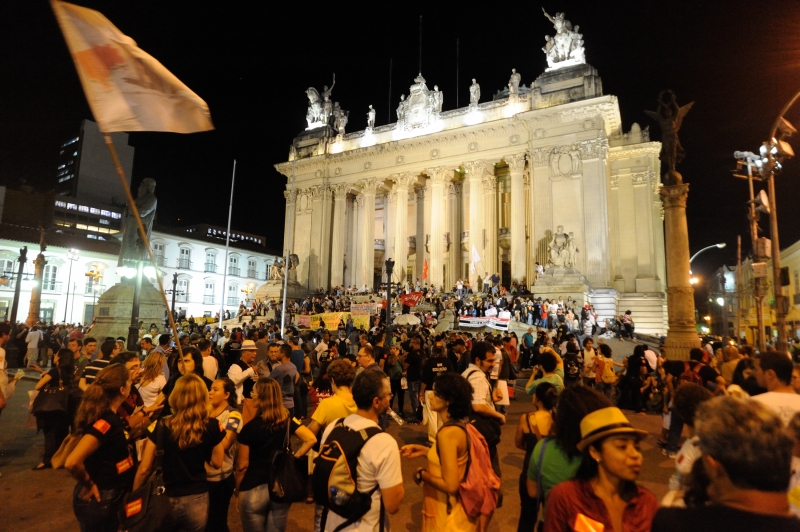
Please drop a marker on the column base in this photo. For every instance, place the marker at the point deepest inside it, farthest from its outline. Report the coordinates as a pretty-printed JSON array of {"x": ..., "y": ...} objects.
[{"x": 680, "y": 340}]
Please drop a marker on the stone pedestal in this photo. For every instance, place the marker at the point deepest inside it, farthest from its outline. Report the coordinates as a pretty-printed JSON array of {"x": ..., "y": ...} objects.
[
  {"x": 274, "y": 290},
  {"x": 113, "y": 310},
  {"x": 682, "y": 334},
  {"x": 560, "y": 281}
]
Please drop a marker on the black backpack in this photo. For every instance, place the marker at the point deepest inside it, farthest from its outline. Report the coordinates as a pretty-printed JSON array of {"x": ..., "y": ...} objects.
[
  {"x": 335, "y": 476},
  {"x": 572, "y": 367}
]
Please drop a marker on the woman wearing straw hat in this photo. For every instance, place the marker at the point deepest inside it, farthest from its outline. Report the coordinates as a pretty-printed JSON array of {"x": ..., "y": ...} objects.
[{"x": 604, "y": 496}]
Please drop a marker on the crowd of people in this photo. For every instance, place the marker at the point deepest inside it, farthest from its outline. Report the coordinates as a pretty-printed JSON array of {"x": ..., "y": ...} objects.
[{"x": 216, "y": 412}]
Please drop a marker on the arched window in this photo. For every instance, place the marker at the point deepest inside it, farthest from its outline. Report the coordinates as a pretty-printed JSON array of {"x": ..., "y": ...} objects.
[
  {"x": 49, "y": 279},
  {"x": 185, "y": 259},
  {"x": 233, "y": 295},
  {"x": 233, "y": 265},
  {"x": 208, "y": 295}
]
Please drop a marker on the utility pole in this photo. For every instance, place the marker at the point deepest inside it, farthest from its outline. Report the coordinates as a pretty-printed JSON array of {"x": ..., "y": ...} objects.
[{"x": 23, "y": 258}]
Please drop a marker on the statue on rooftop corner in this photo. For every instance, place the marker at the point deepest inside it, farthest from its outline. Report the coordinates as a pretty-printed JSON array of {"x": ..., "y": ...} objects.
[
  {"x": 669, "y": 118},
  {"x": 340, "y": 119},
  {"x": 513, "y": 82},
  {"x": 370, "y": 118},
  {"x": 566, "y": 47},
  {"x": 474, "y": 93},
  {"x": 132, "y": 246},
  {"x": 320, "y": 107}
]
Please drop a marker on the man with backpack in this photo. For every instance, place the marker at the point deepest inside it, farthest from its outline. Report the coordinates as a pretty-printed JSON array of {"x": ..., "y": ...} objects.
[{"x": 357, "y": 457}]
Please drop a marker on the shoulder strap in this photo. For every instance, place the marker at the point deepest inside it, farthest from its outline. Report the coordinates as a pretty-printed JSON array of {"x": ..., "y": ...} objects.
[
  {"x": 159, "y": 445},
  {"x": 539, "y": 492}
]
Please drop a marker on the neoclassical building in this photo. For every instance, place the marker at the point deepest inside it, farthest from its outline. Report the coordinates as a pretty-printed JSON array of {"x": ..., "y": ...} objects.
[{"x": 538, "y": 174}]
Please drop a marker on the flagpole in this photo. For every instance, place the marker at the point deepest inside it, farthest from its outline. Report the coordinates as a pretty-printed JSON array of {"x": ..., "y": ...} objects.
[
  {"x": 227, "y": 245},
  {"x": 143, "y": 235},
  {"x": 286, "y": 243}
]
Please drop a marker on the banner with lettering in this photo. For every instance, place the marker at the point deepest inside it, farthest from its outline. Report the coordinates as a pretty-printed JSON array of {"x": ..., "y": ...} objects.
[
  {"x": 492, "y": 322},
  {"x": 362, "y": 309},
  {"x": 332, "y": 320},
  {"x": 410, "y": 300}
]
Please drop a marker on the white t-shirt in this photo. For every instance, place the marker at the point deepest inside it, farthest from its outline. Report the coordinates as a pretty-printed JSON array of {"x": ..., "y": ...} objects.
[
  {"x": 786, "y": 405},
  {"x": 652, "y": 358},
  {"x": 33, "y": 339},
  {"x": 378, "y": 465},
  {"x": 151, "y": 391},
  {"x": 210, "y": 367}
]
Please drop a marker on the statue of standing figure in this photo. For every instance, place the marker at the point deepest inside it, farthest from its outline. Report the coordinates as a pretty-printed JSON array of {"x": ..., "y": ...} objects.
[
  {"x": 370, "y": 118},
  {"x": 340, "y": 119},
  {"x": 669, "y": 118},
  {"x": 401, "y": 109},
  {"x": 474, "y": 93},
  {"x": 513, "y": 82},
  {"x": 132, "y": 248},
  {"x": 436, "y": 99}
]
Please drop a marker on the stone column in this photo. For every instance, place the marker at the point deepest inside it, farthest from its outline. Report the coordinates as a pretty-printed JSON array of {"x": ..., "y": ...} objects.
[
  {"x": 490, "y": 221},
  {"x": 438, "y": 176},
  {"x": 36, "y": 293},
  {"x": 475, "y": 172},
  {"x": 454, "y": 228},
  {"x": 681, "y": 336},
  {"x": 421, "y": 253},
  {"x": 338, "y": 233},
  {"x": 401, "y": 185},
  {"x": 358, "y": 247},
  {"x": 315, "y": 249},
  {"x": 595, "y": 213},
  {"x": 516, "y": 167},
  {"x": 389, "y": 224},
  {"x": 367, "y": 255},
  {"x": 288, "y": 235}
]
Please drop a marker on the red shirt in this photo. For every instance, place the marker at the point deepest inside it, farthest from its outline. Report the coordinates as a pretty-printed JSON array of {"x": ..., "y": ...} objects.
[{"x": 573, "y": 497}]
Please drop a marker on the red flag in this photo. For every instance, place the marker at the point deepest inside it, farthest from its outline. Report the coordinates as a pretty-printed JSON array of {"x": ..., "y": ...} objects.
[
  {"x": 425, "y": 270},
  {"x": 410, "y": 300}
]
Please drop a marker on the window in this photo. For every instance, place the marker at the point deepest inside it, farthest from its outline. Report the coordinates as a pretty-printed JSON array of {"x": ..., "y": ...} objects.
[
  {"x": 183, "y": 290},
  {"x": 7, "y": 266},
  {"x": 185, "y": 255},
  {"x": 116, "y": 215},
  {"x": 81, "y": 226},
  {"x": 103, "y": 221},
  {"x": 61, "y": 204},
  {"x": 92, "y": 210},
  {"x": 83, "y": 208},
  {"x": 105, "y": 213},
  {"x": 71, "y": 207}
]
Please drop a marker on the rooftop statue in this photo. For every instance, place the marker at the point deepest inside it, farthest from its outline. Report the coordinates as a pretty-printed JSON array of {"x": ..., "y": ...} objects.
[
  {"x": 669, "y": 118},
  {"x": 371, "y": 118},
  {"x": 474, "y": 92},
  {"x": 320, "y": 107},
  {"x": 566, "y": 47}
]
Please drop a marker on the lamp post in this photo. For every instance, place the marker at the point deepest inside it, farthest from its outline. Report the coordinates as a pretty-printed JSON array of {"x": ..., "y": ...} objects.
[
  {"x": 719, "y": 246},
  {"x": 23, "y": 258},
  {"x": 72, "y": 255},
  {"x": 389, "y": 270}
]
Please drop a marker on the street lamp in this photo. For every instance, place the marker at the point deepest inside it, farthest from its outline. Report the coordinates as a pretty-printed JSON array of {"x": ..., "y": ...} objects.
[
  {"x": 719, "y": 246},
  {"x": 72, "y": 255}
]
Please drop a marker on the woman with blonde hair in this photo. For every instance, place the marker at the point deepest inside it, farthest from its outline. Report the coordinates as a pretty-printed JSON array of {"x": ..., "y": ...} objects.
[
  {"x": 152, "y": 381},
  {"x": 102, "y": 461},
  {"x": 191, "y": 438},
  {"x": 260, "y": 437}
]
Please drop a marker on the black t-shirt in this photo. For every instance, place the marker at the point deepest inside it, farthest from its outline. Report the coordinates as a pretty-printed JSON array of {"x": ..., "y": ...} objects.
[
  {"x": 717, "y": 517},
  {"x": 676, "y": 368},
  {"x": 262, "y": 439},
  {"x": 434, "y": 367},
  {"x": 184, "y": 469},
  {"x": 112, "y": 465},
  {"x": 414, "y": 361},
  {"x": 380, "y": 353}
]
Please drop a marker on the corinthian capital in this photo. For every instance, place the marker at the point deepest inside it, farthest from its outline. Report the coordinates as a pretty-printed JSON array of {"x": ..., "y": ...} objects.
[
  {"x": 340, "y": 190},
  {"x": 515, "y": 162},
  {"x": 438, "y": 174},
  {"x": 402, "y": 180},
  {"x": 369, "y": 186}
]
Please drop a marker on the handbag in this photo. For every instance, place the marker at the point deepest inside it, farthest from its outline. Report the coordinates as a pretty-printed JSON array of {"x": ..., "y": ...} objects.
[
  {"x": 147, "y": 508},
  {"x": 51, "y": 400},
  {"x": 287, "y": 481}
]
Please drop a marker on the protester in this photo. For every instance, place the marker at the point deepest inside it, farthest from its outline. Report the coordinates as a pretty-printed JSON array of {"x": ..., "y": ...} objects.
[
  {"x": 259, "y": 439},
  {"x": 378, "y": 467},
  {"x": 55, "y": 425},
  {"x": 556, "y": 459},
  {"x": 285, "y": 373},
  {"x": 774, "y": 372},
  {"x": 221, "y": 481},
  {"x": 108, "y": 349},
  {"x": 435, "y": 366},
  {"x": 191, "y": 438},
  {"x": 747, "y": 480},
  {"x": 447, "y": 458},
  {"x": 102, "y": 461},
  {"x": 604, "y": 496},
  {"x": 533, "y": 427},
  {"x": 550, "y": 369},
  {"x": 152, "y": 381}
]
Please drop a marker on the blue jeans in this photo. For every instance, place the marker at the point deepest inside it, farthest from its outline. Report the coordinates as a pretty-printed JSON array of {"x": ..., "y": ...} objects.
[
  {"x": 190, "y": 512},
  {"x": 413, "y": 391},
  {"x": 96, "y": 516},
  {"x": 259, "y": 514}
]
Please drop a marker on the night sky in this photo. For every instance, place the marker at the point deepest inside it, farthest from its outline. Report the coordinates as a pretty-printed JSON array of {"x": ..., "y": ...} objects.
[{"x": 251, "y": 62}]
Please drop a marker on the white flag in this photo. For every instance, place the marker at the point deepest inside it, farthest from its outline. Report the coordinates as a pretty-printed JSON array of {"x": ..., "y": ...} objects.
[
  {"x": 475, "y": 258},
  {"x": 127, "y": 89}
]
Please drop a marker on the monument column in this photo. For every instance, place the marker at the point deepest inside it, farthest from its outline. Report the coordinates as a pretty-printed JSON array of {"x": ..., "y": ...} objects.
[
  {"x": 400, "y": 256},
  {"x": 367, "y": 255},
  {"x": 315, "y": 250},
  {"x": 438, "y": 176},
  {"x": 516, "y": 167},
  {"x": 490, "y": 221},
  {"x": 389, "y": 224},
  {"x": 354, "y": 262},
  {"x": 475, "y": 212},
  {"x": 338, "y": 233},
  {"x": 421, "y": 243},
  {"x": 36, "y": 292},
  {"x": 291, "y": 199},
  {"x": 454, "y": 228},
  {"x": 681, "y": 335}
]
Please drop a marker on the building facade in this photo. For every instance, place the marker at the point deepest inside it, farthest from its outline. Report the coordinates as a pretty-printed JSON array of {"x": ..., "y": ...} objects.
[{"x": 542, "y": 174}]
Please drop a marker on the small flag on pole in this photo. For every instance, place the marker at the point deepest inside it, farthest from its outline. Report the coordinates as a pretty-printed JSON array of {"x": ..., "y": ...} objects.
[
  {"x": 425, "y": 270},
  {"x": 127, "y": 89},
  {"x": 475, "y": 258}
]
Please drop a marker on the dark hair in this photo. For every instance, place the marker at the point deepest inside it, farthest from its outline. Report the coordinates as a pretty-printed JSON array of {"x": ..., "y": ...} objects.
[
  {"x": 286, "y": 350},
  {"x": 481, "y": 349},
  {"x": 107, "y": 347},
  {"x": 605, "y": 350},
  {"x": 548, "y": 361},
  {"x": 198, "y": 359},
  {"x": 587, "y": 340},
  {"x": 688, "y": 397},
  {"x": 548, "y": 395},
  {"x": 123, "y": 358},
  {"x": 738, "y": 373},
  {"x": 437, "y": 351},
  {"x": 230, "y": 388},
  {"x": 574, "y": 404},
  {"x": 78, "y": 340},
  {"x": 5, "y": 328},
  {"x": 367, "y": 386},
  {"x": 89, "y": 340},
  {"x": 454, "y": 389},
  {"x": 203, "y": 344},
  {"x": 164, "y": 339},
  {"x": 368, "y": 351},
  {"x": 341, "y": 373},
  {"x": 66, "y": 365},
  {"x": 262, "y": 334},
  {"x": 98, "y": 396},
  {"x": 696, "y": 354},
  {"x": 778, "y": 362}
]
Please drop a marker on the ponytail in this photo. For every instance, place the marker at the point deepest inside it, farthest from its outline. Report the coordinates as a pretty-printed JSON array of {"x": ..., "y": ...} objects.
[{"x": 98, "y": 396}]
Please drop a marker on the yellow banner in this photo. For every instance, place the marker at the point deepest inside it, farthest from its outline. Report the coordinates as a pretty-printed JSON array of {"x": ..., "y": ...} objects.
[{"x": 332, "y": 320}]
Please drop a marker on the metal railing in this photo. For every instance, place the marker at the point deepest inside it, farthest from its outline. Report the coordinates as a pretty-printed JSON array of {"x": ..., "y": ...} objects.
[
  {"x": 182, "y": 298},
  {"x": 233, "y": 270},
  {"x": 252, "y": 274},
  {"x": 208, "y": 300},
  {"x": 210, "y": 268},
  {"x": 233, "y": 301},
  {"x": 184, "y": 264},
  {"x": 160, "y": 260},
  {"x": 51, "y": 286}
]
